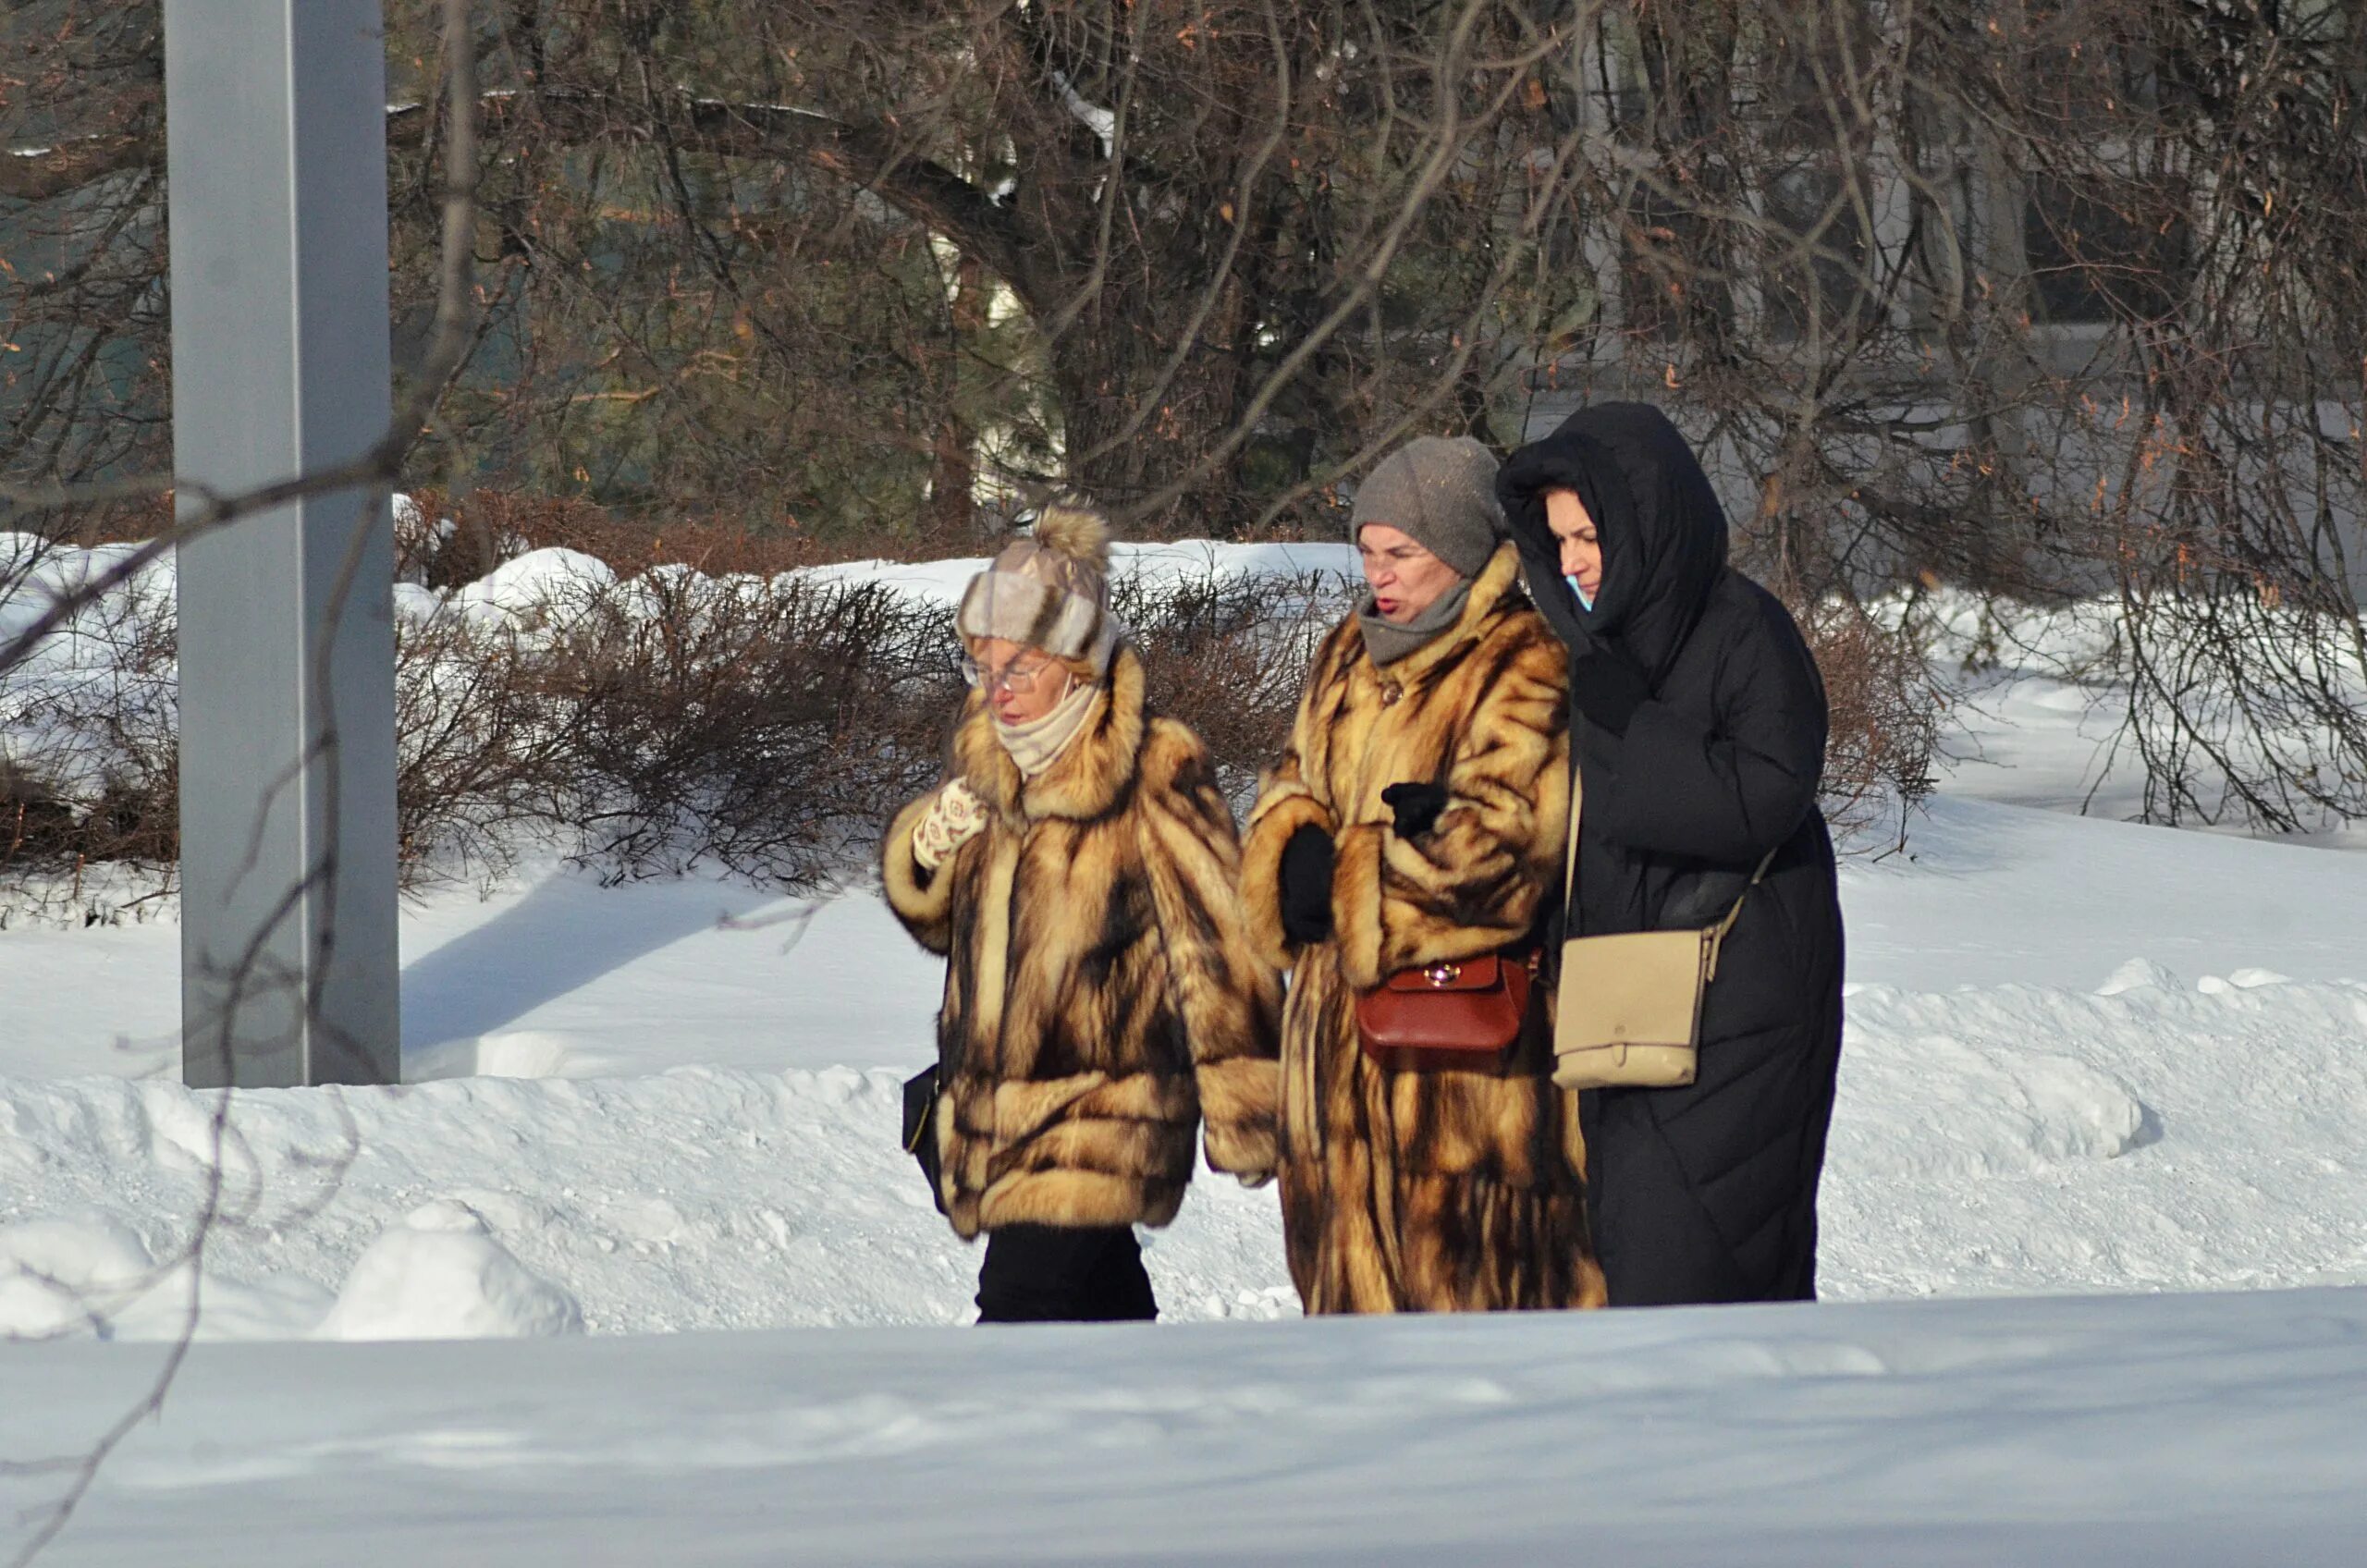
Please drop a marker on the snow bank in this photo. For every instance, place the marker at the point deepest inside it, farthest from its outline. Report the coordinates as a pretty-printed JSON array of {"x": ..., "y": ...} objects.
[
  {"x": 533, "y": 587},
  {"x": 101, "y": 682},
  {"x": 2163, "y": 1432},
  {"x": 694, "y": 1198},
  {"x": 35, "y": 573},
  {"x": 2156, "y": 1136},
  {"x": 1152, "y": 566},
  {"x": 91, "y": 1275}
]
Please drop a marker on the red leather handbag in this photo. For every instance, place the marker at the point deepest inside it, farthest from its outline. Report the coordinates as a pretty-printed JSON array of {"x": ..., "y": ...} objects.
[{"x": 1462, "y": 1017}]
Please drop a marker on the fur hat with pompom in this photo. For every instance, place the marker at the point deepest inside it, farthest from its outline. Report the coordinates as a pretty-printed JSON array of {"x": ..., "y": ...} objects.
[{"x": 1050, "y": 590}]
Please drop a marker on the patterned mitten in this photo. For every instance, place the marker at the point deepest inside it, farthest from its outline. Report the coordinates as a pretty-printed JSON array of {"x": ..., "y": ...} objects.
[{"x": 951, "y": 823}]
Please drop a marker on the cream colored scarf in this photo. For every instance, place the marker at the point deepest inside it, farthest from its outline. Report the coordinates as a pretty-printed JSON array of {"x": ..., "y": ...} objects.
[{"x": 1036, "y": 745}]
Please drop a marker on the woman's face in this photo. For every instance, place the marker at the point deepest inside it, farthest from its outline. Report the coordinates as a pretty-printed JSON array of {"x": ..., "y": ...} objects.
[
  {"x": 1573, "y": 531},
  {"x": 1023, "y": 684},
  {"x": 1406, "y": 578}
]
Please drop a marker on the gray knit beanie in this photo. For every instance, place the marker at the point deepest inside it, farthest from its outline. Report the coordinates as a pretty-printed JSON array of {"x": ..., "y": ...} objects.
[
  {"x": 1439, "y": 492},
  {"x": 1050, "y": 591}
]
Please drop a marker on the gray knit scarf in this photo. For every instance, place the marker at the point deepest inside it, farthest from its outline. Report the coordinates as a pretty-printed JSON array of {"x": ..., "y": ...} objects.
[{"x": 1389, "y": 640}]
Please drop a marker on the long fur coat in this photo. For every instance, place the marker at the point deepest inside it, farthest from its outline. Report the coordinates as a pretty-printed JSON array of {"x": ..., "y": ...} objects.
[
  {"x": 1423, "y": 1191},
  {"x": 1101, "y": 996}
]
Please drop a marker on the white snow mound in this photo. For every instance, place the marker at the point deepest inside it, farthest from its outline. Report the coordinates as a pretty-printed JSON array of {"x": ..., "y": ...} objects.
[
  {"x": 2136, "y": 975},
  {"x": 534, "y": 585},
  {"x": 440, "y": 1275},
  {"x": 63, "y": 1276},
  {"x": 2008, "y": 1112}
]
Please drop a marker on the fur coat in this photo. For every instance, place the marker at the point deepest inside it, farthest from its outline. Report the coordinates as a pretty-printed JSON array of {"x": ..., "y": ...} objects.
[
  {"x": 1101, "y": 996},
  {"x": 1423, "y": 1191}
]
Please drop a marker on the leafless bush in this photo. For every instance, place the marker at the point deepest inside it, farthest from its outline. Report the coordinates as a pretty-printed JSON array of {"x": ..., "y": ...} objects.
[
  {"x": 1228, "y": 659},
  {"x": 476, "y": 756},
  {"x": 771, "y": 729},
  {"x": 762, "y": 726},
  {"x": 756, "y": 726},
  {"x": 89, "y": 773},
  {"x": 94, "y": 729},
  {"x": 1884, "y": 716}
]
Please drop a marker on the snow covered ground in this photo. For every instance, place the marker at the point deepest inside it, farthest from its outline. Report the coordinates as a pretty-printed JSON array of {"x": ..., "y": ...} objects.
[
  {"x": 2083, "y": 1057},
  {"x": 2163, "y": 1431}
]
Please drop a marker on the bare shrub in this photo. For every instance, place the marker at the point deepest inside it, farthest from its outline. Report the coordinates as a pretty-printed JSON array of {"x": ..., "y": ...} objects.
[
  {"x": 91, "y": 772},
  {"x": 34, "y": 821},
  {"x": 771, "y": 729},
  {"x": 762, "y": 727},
  {"x": 766, "y": 727},
  {"x": 1228, "y": 659},
  {"x": 1884, "y": 714},
  {"x": 92, "y": 726},
  {"x": 476, "y": 755}
]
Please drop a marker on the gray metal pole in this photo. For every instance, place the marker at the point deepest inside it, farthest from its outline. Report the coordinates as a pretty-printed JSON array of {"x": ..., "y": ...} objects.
[{"x": 276, "y": 111}]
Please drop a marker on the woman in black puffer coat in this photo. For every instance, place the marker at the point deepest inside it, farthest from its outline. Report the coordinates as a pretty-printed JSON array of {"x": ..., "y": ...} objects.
[{"x": 1697, "y": 728}]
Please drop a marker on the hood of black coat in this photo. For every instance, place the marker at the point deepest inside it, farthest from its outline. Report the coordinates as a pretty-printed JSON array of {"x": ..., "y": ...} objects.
[{"x": 1664, "y": 532}]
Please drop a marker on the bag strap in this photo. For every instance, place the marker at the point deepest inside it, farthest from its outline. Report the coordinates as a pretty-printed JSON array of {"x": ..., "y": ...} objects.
[
  {"x": 1570, "y": 865},
  {"x": 1719, "y": 932},
  {"x": 928, "y": 1112},
  {"x": 1756, "y": 879}
]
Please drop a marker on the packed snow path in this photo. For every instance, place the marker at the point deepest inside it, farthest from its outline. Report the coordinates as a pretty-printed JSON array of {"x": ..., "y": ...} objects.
[
  {"x": 2154, "y": 1078},
  {"x": 2018, "y": 1139}
]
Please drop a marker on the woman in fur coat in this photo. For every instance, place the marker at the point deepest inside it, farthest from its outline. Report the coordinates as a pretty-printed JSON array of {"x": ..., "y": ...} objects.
[
  {"x": 1102, "y": 998},
  {"x": 1698, "y": 730},
  {"x": 1416, "y": 818}
]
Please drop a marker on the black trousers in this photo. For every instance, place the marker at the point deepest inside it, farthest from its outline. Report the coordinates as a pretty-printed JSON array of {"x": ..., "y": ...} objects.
[{"x": 1057, "y": 1274}]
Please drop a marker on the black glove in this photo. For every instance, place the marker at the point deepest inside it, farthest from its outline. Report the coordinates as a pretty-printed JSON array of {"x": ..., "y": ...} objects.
[
  {"x": 1416, "y": 805},
  {"x": 1608, "y": 686},
  {"x": 1306, "y": 886}
]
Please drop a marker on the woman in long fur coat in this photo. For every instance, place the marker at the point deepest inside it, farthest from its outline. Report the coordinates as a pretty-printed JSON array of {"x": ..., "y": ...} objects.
[
  {"x": 1416, "y": 817},
  {"x": 1077, "y": 870}
]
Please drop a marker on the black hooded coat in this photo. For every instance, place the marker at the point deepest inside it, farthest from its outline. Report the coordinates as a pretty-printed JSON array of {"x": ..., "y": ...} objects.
[{"x": 1707, "y": 1192}]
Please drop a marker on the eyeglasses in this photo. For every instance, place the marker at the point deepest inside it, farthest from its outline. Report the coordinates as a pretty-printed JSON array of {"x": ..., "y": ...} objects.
[
  {"x": 1401, "y": 556},
  {"x": 1017, "y": 680}
]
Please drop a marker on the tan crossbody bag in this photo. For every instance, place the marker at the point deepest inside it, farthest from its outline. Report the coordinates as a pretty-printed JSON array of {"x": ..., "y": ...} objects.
[{"x": 1627, "y": 1013}]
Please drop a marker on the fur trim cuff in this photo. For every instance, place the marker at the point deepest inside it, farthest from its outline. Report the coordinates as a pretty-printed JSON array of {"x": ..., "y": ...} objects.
[
  {"x": 1261, "y": 871},
  {"x": 920, "y": 899},
  {"x": 1239, "y": 1110}
]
